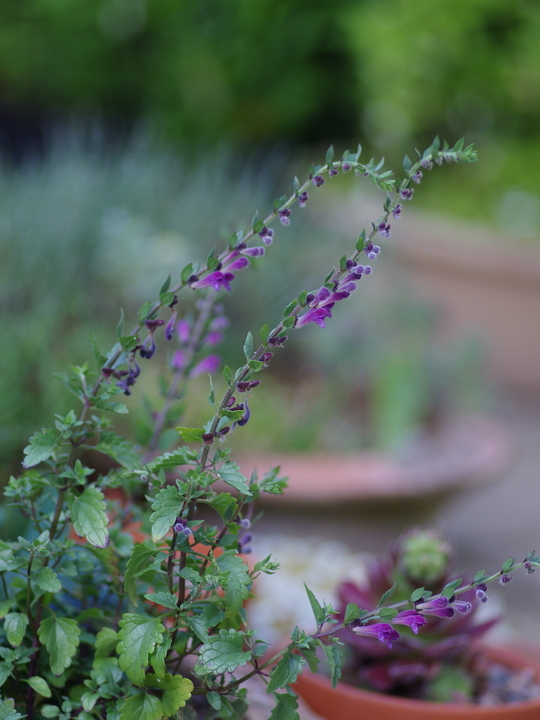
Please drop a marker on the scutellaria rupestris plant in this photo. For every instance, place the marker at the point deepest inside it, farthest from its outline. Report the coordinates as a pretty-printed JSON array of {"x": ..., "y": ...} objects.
[{"x": 115, "y": 610}]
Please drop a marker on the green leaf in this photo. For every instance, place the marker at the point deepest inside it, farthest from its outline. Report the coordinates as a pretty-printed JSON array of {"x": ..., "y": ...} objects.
[
  {"x": 166, "y": 298},
  {"x": 99, "y": 358},
  {"x": 417, "y": 594},
  {"x": 141, "y": 558},
  {"x": 335, "y": 658},
  {"x": 190, "y": 434},
  {"x": 352, "y": 612},
  {"x": 508, "y": 565},
  {"x": 128, "y": 342},
  {"x": 5, "y": 671},
  {"x": 165, "y": 599},
  {"x": 224, "y": 504},
  {"x": 120, "y": 326},
  {"x": 330, "y": 154},
  {"x": 15, "y": 628},
  {"x": 106, "y": 642},
  {"x": 60, "y": 635},
  {"x": 318, "y": 612},
  {"x": 248, "y": 346},
  {"x": 41, "y": 447},
  {"x": 237, "y": 583},
  {"x": 141, "y": 706},
  {"x": 230, "y": 474},
  {"x": 88, "y": 513},
  {"x": 264, "y": 334},
  {"x": 158, "y": 657},
  {"x": 167, "y": 505},
  {"x": 286, "y": 707},
  {"x": 40, "y": 686},
  {"x": 290, "y": 307},
  {"x": 197, "y": 625},
  {"x": 255, "y": 365},
  {"x": 387, "y": 614},
  {"x": 286, "y": 671},
  {"x": 166, "y": 285},
  {"x": 176, "y": 691},
  {"x": 143, "y": 312},
  {"x": 214, "y": 700},
  {"x": 450, "y": 588},
  {"x": 387, "y": 595},
  {"x": 222, "y": 653},
  {"x": 49, "y": 711},
  {"x": 138, "y": 637},
  {"x": 5, "y": 606},
  {"x": 186, "y": 273},
  {"x": 7, "y": 710},
  {"x": 48, "y": 580}
]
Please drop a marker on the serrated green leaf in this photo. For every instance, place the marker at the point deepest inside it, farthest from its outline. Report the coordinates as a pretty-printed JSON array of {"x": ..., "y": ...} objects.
[
  {"x": 40, "y": 686},
  {"x": 176, "y": 691},
  {"x": 7, "y": 710},
  {"x": 141, "y": 558},
  {"x": 286, "y": 707},
  {"x": 190, "y": 434},
  {"x": 15, "y": 625},
  {"x": 224, "y": 504},
  {"x": 165, "y": 599},
  {"x": 141, "y": 706},
  {"x": 196, "y": 624},
  {"x": 286, "y": 671},
  {"x": 47, "y": 580},
  {"x": 222, "y": 653},
  {"x": 60, "y": 635},
  {"x": 99, "y": 358},
  {"x": 89, "y": 516},
  {"x": 158, "y": 657},
  {"x": 139, "y": 636},
  {"x": 167, "y": 505},
  {"x": 41, "y": 447},
  {"x": 334, "y": 658},
  {"x": 6, "y": 669},
  {"x": 106, "y": 642},
  {"x": 230, "y": 474},
  {"x": 236, "y": 585}
]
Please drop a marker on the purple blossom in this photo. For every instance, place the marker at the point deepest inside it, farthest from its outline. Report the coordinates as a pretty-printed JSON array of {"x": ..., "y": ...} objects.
[
  {"x": 332, "y": 172},
  {"x": 208, "y": 438},
  {"x": 384, "y": 229},
  {"x": 427, "y": 164},
  {"x": 238, "y": 263},
  {"x": 245, "y": 417},
  {"x": 278, "y": 341},
  {"x": 148, "y": 348},
  {"x": 406, "y": 194},
  {"x": 480, "y": 591},
  {"x": 219, "y": 323},
  {"x": 462, "y": 606},
  {"x": 153, "y": 324},
  {"x": 254, "y": 251},
  {"x": 505, "y": 579},
  {"x": 246, "y": 385},
  {"x": 367, "y": 270},
  {"x": 217, "y": 279},
  {"x": 169, "y": 328},
  {"x": 267, "y": 235},
  {"x": 383, "y": 632},
  {"x": 396, "y": 212},
  {"x": 302, "y": 199},
  {"x": 245, "y": 523},
  {"x": 320, "y": 297},
  {"x": 266, "y": 357},
  {"x": 179, "y": 360},
  {"x": 208, "y": 365},
  {"x": 411, "y": 618},
  {"x": 183, "y": 329},
  {"x": 345, "y": 167},
  {"x": 284, "y": 216},
  {"x": 417, "y": 176},
  {"x": 213, "y": 338},
  {"x": 316, "y": 315},
  {"x": 438, "y": 606},
  {"x": 317, "y": 180}
]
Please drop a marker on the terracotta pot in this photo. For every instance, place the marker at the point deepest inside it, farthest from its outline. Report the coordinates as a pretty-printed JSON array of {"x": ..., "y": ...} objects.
[{"x": 350, "y": 703}]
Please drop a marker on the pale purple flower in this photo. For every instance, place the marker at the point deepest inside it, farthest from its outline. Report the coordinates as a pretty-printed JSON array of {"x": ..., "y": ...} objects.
[
  {"x": 317, "y": 180},
  {"x": 148, "y": 347},
  {"x": 461, "y": 606},
  {"x": 383, "y": 632},
  {"x": 213, "y": 338},
  {"x": 316, "y": 315},
  {"x": 406, "y": 194},
  {"x": 302, "y": 199},
  {"x": 417, "y": 176},
  {"x": 237, "y": 264},
  {"x": 183, "y": 329},
  {"x": 179, "y": 360},
  {"x": 208, "y": 365},
  {"x": 384, "y": 229},
  {"x": 284, "y": 216},
  {"x": 396, "y": 212},
  {"x": 438, "y": 606},
  {"x": 254, "y": 251}
]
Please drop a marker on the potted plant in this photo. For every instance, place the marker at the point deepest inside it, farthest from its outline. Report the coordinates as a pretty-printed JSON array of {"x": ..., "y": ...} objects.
[
  {"x": 146, "y": 618},
  {"x": 435, "y": 657}
]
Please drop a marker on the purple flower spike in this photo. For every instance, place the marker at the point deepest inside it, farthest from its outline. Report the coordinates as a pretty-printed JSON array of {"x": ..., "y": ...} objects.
[
  {"x": 317, "y": 180},
  {"x": 396, "y": 212},
  {"x": 383, "y": 632},
  {"x": 411, "y": 618},
  {"x": 439, "y": 607},
  {"x": 302, "y": 199},
  {"x": 317, "y": 315},
  {"x": 209, "y": 365}
]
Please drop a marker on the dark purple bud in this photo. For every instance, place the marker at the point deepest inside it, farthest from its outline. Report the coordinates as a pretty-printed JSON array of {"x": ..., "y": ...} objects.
[
  {"x": 278, "y": 341},
  {"x": 396, "y": 212},
  {"x": 284, "y": 216},
  {"x": 245, "y": 418},
  {"x": 406, "y": 193},
  {"x": 266, "y": 357},
  {"x": 505, "y": 579},
  {"x": 317, "y": 180},
  {"x": 208, "y": 438},
  {"x": 529, "y": 567},
  {"x": 242, "y": 386},
  {"x": 480, "y": 591},
  {"x": 417, "y": 177},
  {"x": 232, "y": 400},
  {"x": 241, "y": 246},
  {"x": 332, "y": 172},
  {"x": 302, "y": 199},
  {"x": 427, "y": 164},
  {"x": 368, "y": 247},
  {"x": 266, "y": 235},
  {"x": 169, "y": 328},
  {"x": 345, "y": 167},
  {"x": 148, "y": 348},
  {"x": 223, "y": 431},
  {"x": 107, "y": 372},
  {"x": 153, "y": 324},
  {"x": 349, "y": 264}
]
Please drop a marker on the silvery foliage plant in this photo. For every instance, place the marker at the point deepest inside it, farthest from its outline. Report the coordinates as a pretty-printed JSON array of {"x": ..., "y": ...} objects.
[{"x": 127, "y": 598}]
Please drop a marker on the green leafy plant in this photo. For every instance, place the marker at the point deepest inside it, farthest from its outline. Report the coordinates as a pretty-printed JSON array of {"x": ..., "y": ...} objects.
[{"x": 125, "y": 598}]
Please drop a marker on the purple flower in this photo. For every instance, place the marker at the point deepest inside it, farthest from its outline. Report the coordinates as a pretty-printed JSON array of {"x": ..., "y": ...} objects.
[
  {"x": 254, "y": 251},
  {"x": 245, "y": 417},
  {"x": 246, "y": 385},
  {"x": 461, "y": 606},
  {"x": 213, "y": 338},
  {"x": 183, "y": 329},
  {"x": 505, "y": 579},
  {"x": 384, "y": 229},
  {"x": 411, "y": 618},
  {"x": 302, "y": 199},
  {"x": 284, "y": 216},
  {"x": 417, "y": 176},
  {"x": 345, "y": 167},
  {"x": 480, "y": 591},
  {"x": 332, "y": 172},
  {"x": 320, "y": 297},
  {"x": 179, "y": 360},
  {"x": 438, "y": 606},
  {"x": 367, "y": 270},
  {"x": 396, "y": 212},
  {"x": 148, "y": 347},
  {"x": 383, "y": 632},
  {"x": 266, "y": 235},
  {"x": 427, "y": 164},
  {"x": 317, "y": 315},
  {"x": 317, "y": 180},
  {"x": 406, "y": 194},
  {"x": 219, "y": 323},
  {"x": 153, "y": 324},
  {"x": 266, "y": 357},
  {"x": 169, "y": 328},
  {"x": 238, "y": 263},
  {"x": 209, "y": 365},
  {"x": 215, "y": 280}
]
